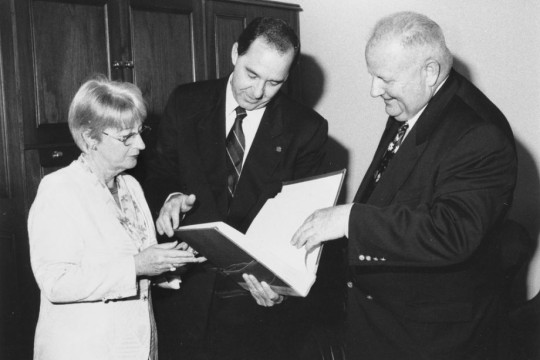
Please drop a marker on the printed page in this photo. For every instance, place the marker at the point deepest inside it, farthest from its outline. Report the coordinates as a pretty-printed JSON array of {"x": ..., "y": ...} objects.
[{"x": 281, "y": 216}]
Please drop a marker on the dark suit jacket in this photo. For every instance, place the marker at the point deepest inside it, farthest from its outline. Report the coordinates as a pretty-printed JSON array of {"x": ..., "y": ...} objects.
[
  {"x": 423, "y": 262},
  {"x": 190, "y": 157}
]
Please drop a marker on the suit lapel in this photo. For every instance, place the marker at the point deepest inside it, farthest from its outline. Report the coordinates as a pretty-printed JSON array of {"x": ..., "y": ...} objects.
[
  {"x": 398, "y": 170},
  {"x": 264, "y": 157},
  {"x": 269, "y": 143},
  {"x": 410, "y": 151},
  {"x": 434, "y": 112},
  {"x": 390, "y": 129}
]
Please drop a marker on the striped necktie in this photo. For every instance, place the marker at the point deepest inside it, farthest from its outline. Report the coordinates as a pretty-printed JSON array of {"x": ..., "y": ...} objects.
[{"x": 235, "y": 151}]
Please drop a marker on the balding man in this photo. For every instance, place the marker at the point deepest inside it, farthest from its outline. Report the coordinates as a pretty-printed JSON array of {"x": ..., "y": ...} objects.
[{"x": 423, "y": 263}]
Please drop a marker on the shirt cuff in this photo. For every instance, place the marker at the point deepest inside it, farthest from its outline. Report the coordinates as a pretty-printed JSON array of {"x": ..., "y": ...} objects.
[
  {"x": 171, "y": 195},
  {"x": 346, "y": 223}
]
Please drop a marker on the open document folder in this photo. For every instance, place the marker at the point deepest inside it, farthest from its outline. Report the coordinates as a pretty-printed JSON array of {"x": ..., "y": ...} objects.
[{"x": 265, "y": 250}]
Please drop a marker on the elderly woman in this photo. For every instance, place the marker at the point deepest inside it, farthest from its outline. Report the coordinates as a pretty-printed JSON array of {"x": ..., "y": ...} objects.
[{"x": 92, "y": 239}]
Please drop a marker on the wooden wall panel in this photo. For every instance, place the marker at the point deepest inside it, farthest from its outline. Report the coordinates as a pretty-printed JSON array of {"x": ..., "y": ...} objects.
[
  {"x": 7, "y": 236},
  {"x": 4, "y": 170},
  {"x": 7, "y": 281},
  {"x": 18, "y": 308}
]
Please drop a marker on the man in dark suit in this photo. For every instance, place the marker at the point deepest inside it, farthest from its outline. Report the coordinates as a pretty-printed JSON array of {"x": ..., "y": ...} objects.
[
  {"x": 211, "y": 317},
  {"x": 424, "y": 270}
]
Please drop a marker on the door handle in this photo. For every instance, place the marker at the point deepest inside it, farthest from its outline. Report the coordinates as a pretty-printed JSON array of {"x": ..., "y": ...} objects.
[
  {"x": 122, "y": 64},
  {"x": 56, "y": 154}
]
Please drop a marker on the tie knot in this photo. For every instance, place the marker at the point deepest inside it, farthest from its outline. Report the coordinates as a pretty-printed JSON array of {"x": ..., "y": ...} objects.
[
  {"x": 240, "y": 112},
  {"x": 402, "y": 130}
]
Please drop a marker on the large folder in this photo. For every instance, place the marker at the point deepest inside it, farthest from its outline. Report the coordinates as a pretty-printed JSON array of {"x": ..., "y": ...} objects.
[{"x": 265, "y": 250}]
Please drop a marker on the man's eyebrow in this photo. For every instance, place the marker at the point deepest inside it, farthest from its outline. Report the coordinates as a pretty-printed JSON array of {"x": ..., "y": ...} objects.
[{"x": 250, "y": 70}]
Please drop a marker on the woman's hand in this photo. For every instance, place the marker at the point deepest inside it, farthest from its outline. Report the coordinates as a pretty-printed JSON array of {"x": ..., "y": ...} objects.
[{"x": 161, "y": 258}]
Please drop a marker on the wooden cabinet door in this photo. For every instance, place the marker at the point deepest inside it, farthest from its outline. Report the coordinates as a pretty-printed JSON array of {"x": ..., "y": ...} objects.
[
  {"x": 155, "y": 44},
  {"x": 61, "y": 44},
  {"x": 166, "y": 49}
]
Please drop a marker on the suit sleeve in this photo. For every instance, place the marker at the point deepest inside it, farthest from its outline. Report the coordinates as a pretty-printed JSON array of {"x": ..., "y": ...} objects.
[
  {"x": 164, "y": 176},
  {"x": 472, "y": 189}
]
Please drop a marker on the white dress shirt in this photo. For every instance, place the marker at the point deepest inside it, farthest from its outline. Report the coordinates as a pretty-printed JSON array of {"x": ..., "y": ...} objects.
[{"x": 249, "y": 125}]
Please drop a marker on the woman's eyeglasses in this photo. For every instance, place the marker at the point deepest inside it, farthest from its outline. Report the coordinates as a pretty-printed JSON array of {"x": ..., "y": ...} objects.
[{"x": 128, "y": 139}]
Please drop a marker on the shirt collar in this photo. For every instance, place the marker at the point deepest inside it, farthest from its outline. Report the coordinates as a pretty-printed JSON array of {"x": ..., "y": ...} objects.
[
  {"x": 414, "y": 119},
  {"x": 230, "y": 102}
]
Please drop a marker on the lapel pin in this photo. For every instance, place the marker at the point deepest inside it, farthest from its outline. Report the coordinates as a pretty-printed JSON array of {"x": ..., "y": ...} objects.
[{"x": 278, "y": 148}]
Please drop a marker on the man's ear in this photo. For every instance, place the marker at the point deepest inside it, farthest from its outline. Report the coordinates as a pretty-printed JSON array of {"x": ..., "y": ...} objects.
[
  {"x": 433, "y": 70},
  {"x": 234, "y": 53}
]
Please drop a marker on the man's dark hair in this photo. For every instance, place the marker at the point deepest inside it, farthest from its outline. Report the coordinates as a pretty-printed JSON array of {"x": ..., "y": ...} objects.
[{"x": 276, "y": 32}]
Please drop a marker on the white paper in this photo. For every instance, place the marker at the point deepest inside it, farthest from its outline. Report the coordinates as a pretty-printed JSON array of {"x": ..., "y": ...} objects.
[{"x": 281, "y": 216}]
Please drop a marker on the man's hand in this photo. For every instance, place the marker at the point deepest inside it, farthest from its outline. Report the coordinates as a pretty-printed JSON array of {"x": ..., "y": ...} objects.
[
  {"x": 262, "y": 292},
  {"x": 170, "y": 213},
  {"x": 323, "y": 225}
]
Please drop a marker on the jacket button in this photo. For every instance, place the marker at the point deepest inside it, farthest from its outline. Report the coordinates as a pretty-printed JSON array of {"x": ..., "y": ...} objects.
[
  {"x": 361, "y": 257},
  {"x": 350, "y": 284},
  {"x": 368, "y": 258},
  {"x": 369, "y": 297}
]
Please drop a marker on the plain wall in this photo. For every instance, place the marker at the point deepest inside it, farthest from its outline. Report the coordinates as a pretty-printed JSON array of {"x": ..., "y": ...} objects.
[{"x": 495, "y": 44}]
